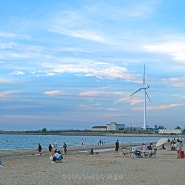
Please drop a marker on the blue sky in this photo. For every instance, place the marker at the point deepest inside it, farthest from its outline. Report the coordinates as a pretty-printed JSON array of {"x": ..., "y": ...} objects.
[{"x": 74, "y": 64}]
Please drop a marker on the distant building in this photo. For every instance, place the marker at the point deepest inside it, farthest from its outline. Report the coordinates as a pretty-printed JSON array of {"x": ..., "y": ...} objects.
[
  {"x": 168, "y": 131},
  {"x": 113, "y": 126},
  {"x": 99, "y": 128}
]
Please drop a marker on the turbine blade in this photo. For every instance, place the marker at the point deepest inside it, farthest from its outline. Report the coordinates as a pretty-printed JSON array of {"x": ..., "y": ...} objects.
[
  {"x": 144, "y": 76},
  {"x": 148, "y": 97},
  {"x": 136, "y": 91}
]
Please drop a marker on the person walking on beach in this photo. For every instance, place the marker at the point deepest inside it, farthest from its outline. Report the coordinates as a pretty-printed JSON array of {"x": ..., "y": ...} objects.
[
  {"x": 55, "y": 144},
  {"x": 65, "y": 148},
  {"x": 178, "y": 146},
  {"x": 100, "y": 142},
  {"x": 50, "y": 149},
  {"x": 143, "y": 149},
  {"x": 116, "y": 147},
  {"x": 40, "y": 149},
  {"x": 181, "y": 150}
]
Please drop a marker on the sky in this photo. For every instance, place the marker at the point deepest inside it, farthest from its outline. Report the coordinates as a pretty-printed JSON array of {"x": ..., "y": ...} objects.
[{"x": 70, "y": 64}]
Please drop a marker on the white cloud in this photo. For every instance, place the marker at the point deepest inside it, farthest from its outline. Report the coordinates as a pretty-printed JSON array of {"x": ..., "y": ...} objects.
[
  {"x": 18, "y": 73},
  {"x": 53, "y": 93},
  {"x": 91, "y": 68},
  {"x": 176, "y": 49},
  {"x": 100, "y": 93}
]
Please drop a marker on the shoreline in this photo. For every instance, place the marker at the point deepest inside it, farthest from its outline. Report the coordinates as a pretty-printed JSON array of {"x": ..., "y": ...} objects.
[{"x": 70, "y": 150}]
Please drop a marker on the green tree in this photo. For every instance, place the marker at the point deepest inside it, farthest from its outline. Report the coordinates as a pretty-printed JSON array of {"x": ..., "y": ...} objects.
[
  {"x": 160, "y": 127},
  {"x": 44, "y": 130}
]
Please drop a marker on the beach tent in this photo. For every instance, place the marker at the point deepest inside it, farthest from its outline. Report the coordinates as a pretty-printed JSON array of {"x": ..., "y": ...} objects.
[{"x": 161, "y": 141}]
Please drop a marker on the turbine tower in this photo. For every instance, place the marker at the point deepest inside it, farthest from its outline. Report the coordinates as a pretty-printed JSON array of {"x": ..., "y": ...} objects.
[{"x": 144, "y": 88}]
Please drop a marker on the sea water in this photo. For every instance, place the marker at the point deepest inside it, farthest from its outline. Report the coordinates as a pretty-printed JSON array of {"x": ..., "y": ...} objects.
[{"x": 14, "y": 142}]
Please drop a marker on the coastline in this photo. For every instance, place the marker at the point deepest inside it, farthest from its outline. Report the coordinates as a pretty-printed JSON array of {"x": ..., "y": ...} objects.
[{"x": 92, "y": 133}]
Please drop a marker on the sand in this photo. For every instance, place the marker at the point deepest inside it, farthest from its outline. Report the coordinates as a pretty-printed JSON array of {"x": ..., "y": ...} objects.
[{"x": 80, "y": 168}]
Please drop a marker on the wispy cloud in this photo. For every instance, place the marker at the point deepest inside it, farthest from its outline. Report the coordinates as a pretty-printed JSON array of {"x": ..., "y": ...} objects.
[
  {"x": 18, "y": 73},
  {"x": 83, "y": 34},
  {"x": 100, "y": 93},
  {"x": 6, "y": 34},
  {"x": 178, "y": 82},
  {"x": 53, "y": 93},
  {"x": 142, "y": 8},
  {"x": 11, "y": 35},
  {"x": 3, "y": 80},
  {"x": 5, "y": 94},
  {"x": 135, "y": 101},
  {"x": 165, "y": 106},
  {"x": 9, "y": 116},
  {"x": 161, "y": 107}
]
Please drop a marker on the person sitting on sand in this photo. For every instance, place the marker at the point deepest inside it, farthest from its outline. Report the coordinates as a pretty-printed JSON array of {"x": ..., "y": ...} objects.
[
  {"x": 178, "y": 146},
  {"x": 150, "y": 147},
  {"x": 57, "y": 156}
]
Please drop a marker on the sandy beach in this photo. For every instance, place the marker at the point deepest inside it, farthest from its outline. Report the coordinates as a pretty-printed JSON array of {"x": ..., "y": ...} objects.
[{"x": 23, "y": 167}]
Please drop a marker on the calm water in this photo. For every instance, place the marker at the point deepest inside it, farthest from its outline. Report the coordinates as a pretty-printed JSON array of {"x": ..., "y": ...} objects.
[{"x": 11, "y": 142}]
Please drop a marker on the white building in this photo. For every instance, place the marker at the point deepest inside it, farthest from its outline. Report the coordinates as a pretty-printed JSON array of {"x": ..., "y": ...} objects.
[
  {"x": 168, "y": 131},
  {"x": 99, "y": 128},
  {"x": 113, "y": 126}
]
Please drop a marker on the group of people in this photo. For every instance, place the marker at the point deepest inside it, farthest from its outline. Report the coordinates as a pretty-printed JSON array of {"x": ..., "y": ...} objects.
[
  {"x": 148, "y": 150},
  {"x": 101, "y": 142},
  {"x": 50, "y": 148},
  {"x": 54, "y": 155},
  {"x": 57, "y": 155},
  {"x": 179, "y": 147},
  {"x": 144, "y": 148}
]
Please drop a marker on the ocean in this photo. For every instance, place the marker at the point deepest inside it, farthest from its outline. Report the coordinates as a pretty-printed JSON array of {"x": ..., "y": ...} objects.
[{"x": 14, "y": 142}]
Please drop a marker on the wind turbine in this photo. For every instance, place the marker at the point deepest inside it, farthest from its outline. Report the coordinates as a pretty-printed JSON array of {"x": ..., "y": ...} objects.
[{"x": 144, "y": 88}]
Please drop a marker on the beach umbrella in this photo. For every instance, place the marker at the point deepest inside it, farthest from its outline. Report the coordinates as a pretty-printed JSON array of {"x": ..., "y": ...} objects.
[{"x": 161, "y": 141}]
